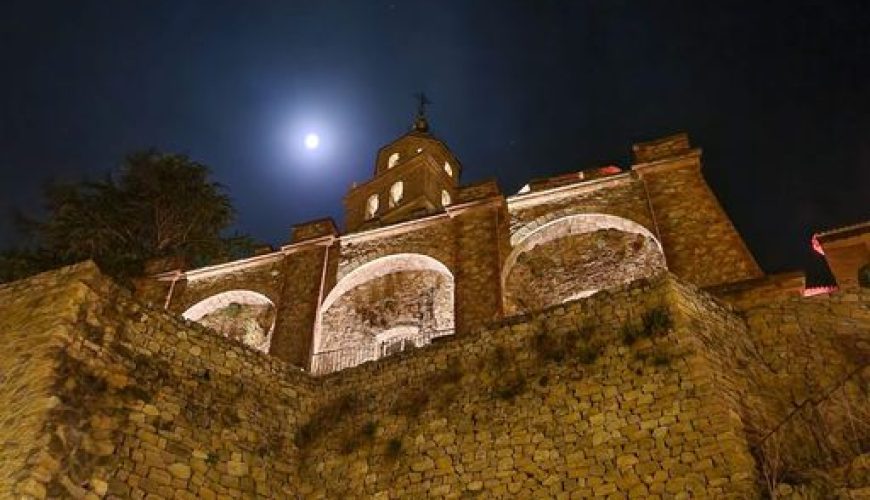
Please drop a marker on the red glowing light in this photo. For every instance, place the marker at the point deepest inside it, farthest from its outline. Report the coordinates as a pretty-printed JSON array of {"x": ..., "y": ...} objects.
[{"x": 610, "y": 170}]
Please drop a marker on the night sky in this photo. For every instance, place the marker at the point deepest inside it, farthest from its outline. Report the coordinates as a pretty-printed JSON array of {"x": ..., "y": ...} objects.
[{"x": 776, "y": 92}]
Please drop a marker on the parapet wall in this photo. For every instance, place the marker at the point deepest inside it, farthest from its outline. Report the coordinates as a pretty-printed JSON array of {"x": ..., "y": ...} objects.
[
  {"x": 625, "y": 392},
  {"x": 139, "y": 402}
]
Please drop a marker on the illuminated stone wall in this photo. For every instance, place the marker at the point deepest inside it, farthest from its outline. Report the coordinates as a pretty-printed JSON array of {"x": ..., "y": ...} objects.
[
  {"x": 506, "y": 254},
  {"x": 578, "y": 265},
  {"x": 358, "y": 324},
  {"x": 700, "y": 242},
  {"x": 264, "y": 278},
  {"x": 620, "y": 195},
  {"x": 645, "y": 389}
]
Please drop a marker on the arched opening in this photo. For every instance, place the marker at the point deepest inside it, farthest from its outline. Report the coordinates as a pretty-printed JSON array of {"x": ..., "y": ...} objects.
[
  {"x": 397, "y": 191},
  {"x": 371, "y": 206},
  {"x": 242, "y": 315},
  {"x": 393, "y": 160},
  {"x": 383, "y": 307},
  {"x": 575, "y": 256},
  {"x": 445, "y": 198}
]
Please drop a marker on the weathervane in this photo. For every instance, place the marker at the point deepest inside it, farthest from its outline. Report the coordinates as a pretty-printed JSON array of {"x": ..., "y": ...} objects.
[{"x": 420, "y": 123}]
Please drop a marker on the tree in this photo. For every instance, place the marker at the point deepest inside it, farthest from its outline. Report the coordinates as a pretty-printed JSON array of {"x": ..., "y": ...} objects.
[{"x": 157, "y": 205}]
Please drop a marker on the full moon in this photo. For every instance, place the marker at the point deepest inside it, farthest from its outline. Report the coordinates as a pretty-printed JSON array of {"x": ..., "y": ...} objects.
[{"x": 312, "y": 141}]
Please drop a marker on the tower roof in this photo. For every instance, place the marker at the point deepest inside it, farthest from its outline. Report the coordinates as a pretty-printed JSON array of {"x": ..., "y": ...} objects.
[{"x": 421, "y": 124}]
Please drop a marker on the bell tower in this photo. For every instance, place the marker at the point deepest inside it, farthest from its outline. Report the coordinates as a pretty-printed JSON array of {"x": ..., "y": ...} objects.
[{"x": 414, "y": 176}]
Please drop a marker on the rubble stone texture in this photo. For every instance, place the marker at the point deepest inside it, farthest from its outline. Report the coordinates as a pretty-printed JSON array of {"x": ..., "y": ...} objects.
[
  {"x": 110, "y": 398},
  {"x": 550, "y": 344},
  {"x": 562, "y": 239}
]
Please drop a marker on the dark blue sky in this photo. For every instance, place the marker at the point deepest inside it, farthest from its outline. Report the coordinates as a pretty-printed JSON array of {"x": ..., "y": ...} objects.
[{"x": 776, "y": 92}]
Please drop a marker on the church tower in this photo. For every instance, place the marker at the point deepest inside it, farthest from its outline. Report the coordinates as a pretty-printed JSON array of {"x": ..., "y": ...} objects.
[{"x": 414, "y": 176}]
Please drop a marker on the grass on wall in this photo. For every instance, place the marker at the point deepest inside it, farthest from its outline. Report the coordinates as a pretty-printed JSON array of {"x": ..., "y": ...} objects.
[{"x": 656, "y": 322}]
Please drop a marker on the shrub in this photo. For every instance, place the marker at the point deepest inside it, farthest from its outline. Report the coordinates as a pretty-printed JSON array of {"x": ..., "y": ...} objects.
[
  {"x": 588, "y": 352},
  {"x": 511, "y": 388},
  {"x": 324, "y": 418},
  {"x": 548, "y": 348},
  {"x": 630, "y": 333},
  {"x": 500, "y": 358},
  {"x": 393, "y": 448},
  {"x": 411, "y": 402},
  {"x": 661, "y": 358},
  {"x": 450, "y": 375},
  {"x": 657, "y": 322},
  {"x": 654, "y": 323},
  {"x": 864, "y": 276},
  {"x": 369, "y": 429},
  {"x": 349, "y": 445}
]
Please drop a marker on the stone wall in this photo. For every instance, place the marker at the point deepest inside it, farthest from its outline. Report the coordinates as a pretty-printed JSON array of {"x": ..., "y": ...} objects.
[
  {"x": 303, "y": 288},
  {"x": 34, "y": 327},
  {"x": 124, "y": 401},
  {"x": 578, "y": 265},
  {"x": 800, "y": 378},
  {"x": 433, "y": 238},
  {"x": 418, "y": 300},
  {"x": 548, "y": 405},
  {"x": 478, "y": 266},
  {"x": 650, "y": 389},
  {"x": 148, "y": 404},
  {"x": 264, "y": 278},
  {"x": 700, "y": 242},
  {"x": 808, "y": 409},
  {"x": 621, "y": 196}
]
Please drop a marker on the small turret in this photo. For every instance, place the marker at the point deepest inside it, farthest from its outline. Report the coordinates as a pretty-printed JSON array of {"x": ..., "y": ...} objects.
[{"x": 414, "y": 176}]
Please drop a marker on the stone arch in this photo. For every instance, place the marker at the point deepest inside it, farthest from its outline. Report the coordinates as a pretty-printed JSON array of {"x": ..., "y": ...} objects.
[
  {"x": 608, "y": 229},
  {"x": 243, "y": 315},
  {"x": 608, "y": 220},
  {"x": 404, "y": 298}
]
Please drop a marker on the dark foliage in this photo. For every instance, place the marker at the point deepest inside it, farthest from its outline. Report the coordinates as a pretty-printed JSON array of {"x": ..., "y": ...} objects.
[
  {"x": 511, "y": 387},
  {"x": 326, "y": 417},
  {"x": 394, "y": 448},
  {"x": 156, "y": 206},
  {"x": 654, "y": 323}
]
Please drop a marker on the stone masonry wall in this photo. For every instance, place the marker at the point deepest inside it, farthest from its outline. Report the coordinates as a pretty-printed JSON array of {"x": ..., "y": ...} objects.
[
  {"x": 422, "y": 299},
  {"x": 650, "y": 389},
  {"x": 558, "y": 403},
  {"x": 800, "y": 378},
  {"x": 41, "y": 316},
  {"x": 573, "y": 266},
  {"x": 139, "y": 402},
  {"x": 436, "y": 240},
  {"x": 478, "y": 267},
  {"x": 621, "y": 196},
  {"x": 700, "y": 242},
  {"x": 808, "y": 410}
]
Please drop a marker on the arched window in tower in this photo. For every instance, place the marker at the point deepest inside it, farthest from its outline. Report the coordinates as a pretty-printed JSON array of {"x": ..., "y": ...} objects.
[
  {"x": 448, "y": 168},
  {"x": 445, "y": 198},
  {"x": 371, "y": 206},
  {"x": 396, "y": 192},
  {"x": 393, "y": 160}
]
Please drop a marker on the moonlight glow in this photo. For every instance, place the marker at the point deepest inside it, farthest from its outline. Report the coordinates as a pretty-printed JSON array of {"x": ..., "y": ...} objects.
[{"x": 312, "y": 141}]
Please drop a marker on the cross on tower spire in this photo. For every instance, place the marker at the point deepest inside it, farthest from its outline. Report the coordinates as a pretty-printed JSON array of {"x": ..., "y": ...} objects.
[{"x": 420, "y": 122}]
